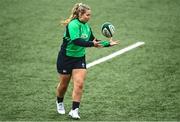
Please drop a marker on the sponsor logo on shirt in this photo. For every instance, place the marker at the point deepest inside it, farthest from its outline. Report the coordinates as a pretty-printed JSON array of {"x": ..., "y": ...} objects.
[{"x": 84, "y": 36}]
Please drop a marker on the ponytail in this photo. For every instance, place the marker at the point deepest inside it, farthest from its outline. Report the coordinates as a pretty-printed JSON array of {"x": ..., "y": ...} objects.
[{"x": 77, "y": 10}]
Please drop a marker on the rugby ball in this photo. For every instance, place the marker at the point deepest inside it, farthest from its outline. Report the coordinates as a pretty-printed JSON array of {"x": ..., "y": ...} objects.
[{"x": 107, "y": 29}]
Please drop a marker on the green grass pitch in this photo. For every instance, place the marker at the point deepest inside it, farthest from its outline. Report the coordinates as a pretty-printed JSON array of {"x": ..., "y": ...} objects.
[{"x": 140, "y": 85}]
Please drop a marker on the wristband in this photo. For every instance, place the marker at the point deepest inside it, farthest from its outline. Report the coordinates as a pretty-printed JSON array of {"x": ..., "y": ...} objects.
[{"x": 105, "y": 43}]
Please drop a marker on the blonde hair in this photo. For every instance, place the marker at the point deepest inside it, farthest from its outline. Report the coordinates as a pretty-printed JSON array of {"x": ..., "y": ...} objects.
[{"x": 77, "y": 10}]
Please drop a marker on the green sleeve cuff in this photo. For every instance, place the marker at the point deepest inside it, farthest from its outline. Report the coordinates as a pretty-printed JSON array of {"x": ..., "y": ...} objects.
[{"x": 105, "y": 43}]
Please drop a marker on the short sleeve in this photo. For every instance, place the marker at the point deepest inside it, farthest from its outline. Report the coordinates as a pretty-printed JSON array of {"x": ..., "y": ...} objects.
[{"x": 74, "y": 31}]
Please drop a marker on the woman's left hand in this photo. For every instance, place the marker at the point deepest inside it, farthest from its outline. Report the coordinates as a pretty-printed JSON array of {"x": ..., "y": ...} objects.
[{"x": 113, "y": 42}]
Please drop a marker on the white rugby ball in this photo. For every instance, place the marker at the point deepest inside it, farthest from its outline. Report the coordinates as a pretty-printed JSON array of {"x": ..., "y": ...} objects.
[{"x": 107, "y": 29}]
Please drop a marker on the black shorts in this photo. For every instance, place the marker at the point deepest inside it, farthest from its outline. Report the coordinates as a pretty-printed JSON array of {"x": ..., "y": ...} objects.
[{"x": 66, "y": 64}]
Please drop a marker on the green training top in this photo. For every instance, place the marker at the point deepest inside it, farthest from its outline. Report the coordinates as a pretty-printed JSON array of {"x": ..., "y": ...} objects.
[{"x": 77, "y": 30}]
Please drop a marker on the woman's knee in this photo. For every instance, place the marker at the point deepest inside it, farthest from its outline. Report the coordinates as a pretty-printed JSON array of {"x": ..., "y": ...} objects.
[
  {"x": 64, "y": 86},
  {"x": 79, "y": 83}
]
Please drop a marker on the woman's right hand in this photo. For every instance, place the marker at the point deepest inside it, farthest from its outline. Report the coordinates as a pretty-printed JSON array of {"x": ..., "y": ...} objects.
[{"x": 97, "y": 44}]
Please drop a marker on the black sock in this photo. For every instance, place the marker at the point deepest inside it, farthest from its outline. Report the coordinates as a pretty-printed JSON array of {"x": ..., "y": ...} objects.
[
  {"x": 60, "y": 99},
  {"x": 75, "y": 105}
]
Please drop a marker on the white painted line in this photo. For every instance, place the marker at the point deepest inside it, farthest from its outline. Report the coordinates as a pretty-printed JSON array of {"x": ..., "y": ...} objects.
[{"x": 119, "y": 52}]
